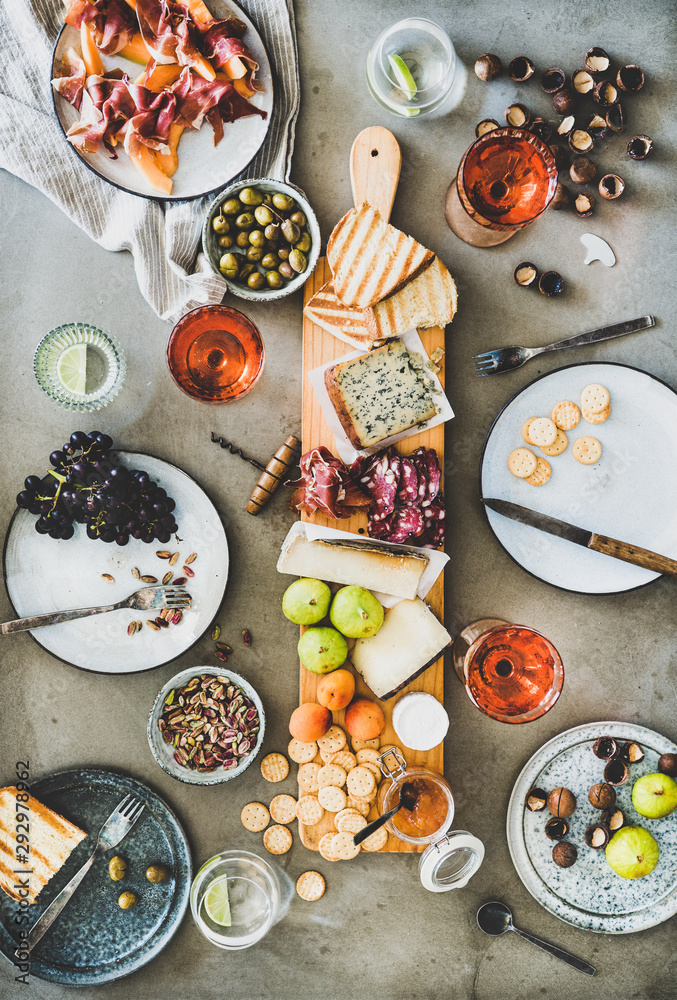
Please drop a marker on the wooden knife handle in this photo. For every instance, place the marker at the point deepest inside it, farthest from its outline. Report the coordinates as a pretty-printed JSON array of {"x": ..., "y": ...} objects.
[
  {"x": 375, "y": 162},
  {"x": 277, "y": 469},
  {"x": 633, "y": 554}
]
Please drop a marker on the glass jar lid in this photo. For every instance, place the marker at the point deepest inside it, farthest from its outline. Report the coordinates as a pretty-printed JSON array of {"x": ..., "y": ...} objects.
[{"x": 451, "y": 862}]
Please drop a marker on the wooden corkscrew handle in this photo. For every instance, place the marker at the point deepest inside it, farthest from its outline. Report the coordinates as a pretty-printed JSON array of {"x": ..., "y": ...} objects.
[{"x": 277, "y": 469}]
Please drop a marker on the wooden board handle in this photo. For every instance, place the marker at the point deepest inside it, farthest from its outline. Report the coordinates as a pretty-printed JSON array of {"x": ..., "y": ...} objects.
[
  {"x": 375, "y": 162},
  {"x": 277, "y": 469},
  {"x": 633, "y": 554}
]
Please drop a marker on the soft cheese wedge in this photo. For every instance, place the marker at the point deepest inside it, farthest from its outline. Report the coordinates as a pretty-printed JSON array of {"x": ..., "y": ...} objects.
[{"x": 409, "y": 641}]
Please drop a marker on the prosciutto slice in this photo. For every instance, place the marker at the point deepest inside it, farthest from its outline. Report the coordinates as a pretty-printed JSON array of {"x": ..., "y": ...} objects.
[
  {"x": 71, "y": 83},
  {"x": 113, "y": 22},
  {"x": 168, "y": 31},
  {"x": 223, "y": 41},
  {"x": 326, "y": 485}
]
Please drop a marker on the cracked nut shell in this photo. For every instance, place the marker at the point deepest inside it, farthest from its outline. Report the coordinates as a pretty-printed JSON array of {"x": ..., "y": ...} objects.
[
  {"x": 564, "y": 854},
  {"x": 630, "y": 78},
  {"x": 596, "y": 836},
  {"x": 580, "y": 141},
  {"x": 667, "y": 764},
  {"x": 520, "y": 69},
  {"x": 553, "y": 80},
  {"x": 597, "y": 60},
  {"x": 616, "y": 772},
  {"x": 556, "y": 829},
  {"x": 639, "y": 147},
  {"x": 561, "y": 198},
  {"x": 605, "y": 747},
  {"x": 486, "y": 125},
  {"x": 605, "y": 93},
  {"x": 517, "y": 115},
  {"x": 602, "y": 796},
  {"x": 488, "y": 67},
  {"x": 615, "y": 118},
  {"x": 613, "y": 819},
  {"x": 598, "y": 126},
  {"x": 561, "y": 802},
  {"x": 582, "y": 171},
  {"x": 566, "y": 126},
  {"x": 584, "y": 204},
  {"x": 541, "y": 128},
  {"x": 564, "y": 101},
  {"x": 536, "y": 799},
  {"x": 525, "y": 274},
  {"x": 552, "y": 283},
  {"x": 581, "y": 81}
]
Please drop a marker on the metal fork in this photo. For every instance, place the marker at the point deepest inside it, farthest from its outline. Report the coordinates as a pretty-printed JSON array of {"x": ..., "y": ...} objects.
[
  {"x": 148, "y": 599},
  {"x": 505, "y": 359},
  {"x": 115, "y": 829}
]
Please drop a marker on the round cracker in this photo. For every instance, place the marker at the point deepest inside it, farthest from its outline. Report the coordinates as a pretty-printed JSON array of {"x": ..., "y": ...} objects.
[
  {"x": 375, "y": 743},
  {"x": 333, "y": 740},
  {"x": 283, "y": 808},
  {"x": 255, "y": 817},
  {"x": 302, "y": 753},
  {"x": 367, "y": 754},
  {"x": 331, "y": 798},
  {"x": 560, "y": 445},
  {"x": 308, "y": 810},
  {"x": 307, "y": 776},
  {"x": 361, "y": 782},
  {"x": 325, "y": 848},
  {"x": 310, "y": 886},
  {"x": 522, "y": 462},
  {"x": 277, "y": 839},
  {"x": 541, "y": 475},
  {"x": 344, "y": 759},
  {"x": 358, "y": 803},
  {"x": 344, "y": 846},
  {"x": 565, "y": 415},
  {"x": 326, "y": 756},
  {"x": 594, "y": 398},
  {"x": 274, "y": 767},
  {"x": 331, "y": 774},
  {"x": 587, "y": 450},
  {"x": 374, "y": 768},
  {"x": 376, "y": 841},
  {"x": 525, "y": 430},
  {"x": 542, "y": 431},
  {"x": 350, "y": 821},
  {"x": 597, "y": 418}
]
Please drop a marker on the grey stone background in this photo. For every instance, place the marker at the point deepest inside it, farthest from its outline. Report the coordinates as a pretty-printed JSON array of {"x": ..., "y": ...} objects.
[{"x": 376, "y": 933}]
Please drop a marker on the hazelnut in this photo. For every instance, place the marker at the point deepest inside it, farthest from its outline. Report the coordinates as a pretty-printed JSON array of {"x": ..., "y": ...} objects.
[
  {"x": 613, "y": 818},
  {"x": 488, "y": 67},
  {"x": 598, "y": 126},
  {"x": 580, "y": 141},
  {"x": 602, "y": 796},
  {"x": 564, "y": 101},
  {"x": 556, "y": 829},
  {"x": 561, "y": 198},
  {"x": 520, "y": 69},
  {"x": 561, "y": 802},
  {"x": 541, "y": 128},
  {"x": 615, "y": 118},
  {"x": 517, "y": 115},
  {"x": 566, "y": 125},
  {"x": 564, "y": 854},
  {"x": 581, "y": 81},
  {"x": 582, "y": 171},
  {"x": 605, "y": 93},
  {"x": 552, "y": 283},
  {"x": 561, "y": 157},
  {"x": 605, "y": 746},
  {"x": 525, "y": 274},
  {"x": 596, "y": 836},
  {"x": 486, "y": 125},
  {"x": 639, "y": 147},
  {"x": 596, "y": 60},
  {"x": 553, "y": 80},
  {"x": 536, "y": 797},
  {"x": 667, "y": 764},
  {"x": 584, "y": 205},
  {"x": 630, "y": 752},
  {"x": 616, "y": 772},
  {"x": 630, "y": 78}
]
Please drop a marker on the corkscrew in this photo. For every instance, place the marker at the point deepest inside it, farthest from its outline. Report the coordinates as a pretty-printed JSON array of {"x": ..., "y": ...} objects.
[{"x": 272, "y": 474}]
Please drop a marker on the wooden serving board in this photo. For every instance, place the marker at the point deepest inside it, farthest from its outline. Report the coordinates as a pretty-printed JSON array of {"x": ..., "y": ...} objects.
[{"x": 374, "y": 171}]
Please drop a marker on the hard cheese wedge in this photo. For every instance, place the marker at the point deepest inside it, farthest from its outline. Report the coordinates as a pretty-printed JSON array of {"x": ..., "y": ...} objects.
[{"x": 408, "y": 642}]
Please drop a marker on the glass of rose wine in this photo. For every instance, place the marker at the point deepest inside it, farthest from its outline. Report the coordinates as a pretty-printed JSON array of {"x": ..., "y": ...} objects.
[
  {"x": 506, "y": 179},
  {"x": 511, "y": 672}
]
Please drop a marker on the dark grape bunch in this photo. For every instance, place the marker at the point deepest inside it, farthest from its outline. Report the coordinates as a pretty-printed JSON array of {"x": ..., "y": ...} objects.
[{"x": 86, "y": 484}]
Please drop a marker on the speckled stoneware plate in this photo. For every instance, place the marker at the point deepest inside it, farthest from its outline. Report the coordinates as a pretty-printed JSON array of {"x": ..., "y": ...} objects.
[
  {"x": 624, "y": 495},
  {"x": 203, "y": 167},
  {"x": 94, "y": 941},
  {"x": 44, "y": 574},
  {"x": 589, "y": 894}
]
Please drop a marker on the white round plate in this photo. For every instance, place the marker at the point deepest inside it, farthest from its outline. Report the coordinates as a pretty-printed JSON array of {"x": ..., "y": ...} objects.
[
  {"x": 625, "y": 495},
  {"x": 44, "y": 574},
  {"x": 589, "y": 894},
  {"x": 203, "y": 167}
]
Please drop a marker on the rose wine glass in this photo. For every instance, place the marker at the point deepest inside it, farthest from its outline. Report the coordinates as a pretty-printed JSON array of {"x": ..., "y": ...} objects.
[
  {"x": 506, "y": 179},
  {"x": 511, "y": 672}
]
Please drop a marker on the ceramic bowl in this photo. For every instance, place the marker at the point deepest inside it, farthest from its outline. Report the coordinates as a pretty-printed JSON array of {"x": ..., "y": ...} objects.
[
  {"x": 210, "y": 239},
  {"x": 164, "y": 753}
]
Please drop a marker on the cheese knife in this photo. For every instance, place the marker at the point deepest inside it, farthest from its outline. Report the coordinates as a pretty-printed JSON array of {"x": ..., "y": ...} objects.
[{"x": 581, "y": 536}]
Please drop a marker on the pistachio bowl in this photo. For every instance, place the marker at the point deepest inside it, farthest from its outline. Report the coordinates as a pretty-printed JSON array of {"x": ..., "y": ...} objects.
[
  {"x": 210, "y": 238},
  {"x": 164, "y": 752}
]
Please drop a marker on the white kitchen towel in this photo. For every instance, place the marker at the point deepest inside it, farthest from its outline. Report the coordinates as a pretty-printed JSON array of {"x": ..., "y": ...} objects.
[{"x": 163, "y": 237}]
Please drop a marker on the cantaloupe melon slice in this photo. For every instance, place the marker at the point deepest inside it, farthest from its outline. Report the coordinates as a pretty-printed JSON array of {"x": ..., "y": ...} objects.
[
  {"x": 143, "y": 159},
  {"x": 234, "y": 68},
  {"x": 135, "y": 50},
  {"x": 132, "y": 4},
  {"x": 162, "y": 76},
  {"x": 243, "y": 89},
  {"x": 199, "y": 11},
  {"x": 90, "y": 54},
  {"x": 169, "y": 162}
]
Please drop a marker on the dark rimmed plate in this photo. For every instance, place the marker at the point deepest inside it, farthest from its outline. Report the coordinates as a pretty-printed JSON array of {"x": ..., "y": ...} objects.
[
  {"x": 94, "y": 941},
  {"x": 624, "y": 495}
]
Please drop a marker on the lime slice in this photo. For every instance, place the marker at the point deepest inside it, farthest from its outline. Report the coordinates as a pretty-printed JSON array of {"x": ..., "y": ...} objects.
[
  {"x": 403, "y": 76},
  {"x": 71, "y": 369},
  {"x": 217, "y": 903}
]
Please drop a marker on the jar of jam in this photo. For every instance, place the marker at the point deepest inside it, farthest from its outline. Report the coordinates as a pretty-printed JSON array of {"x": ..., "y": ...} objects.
[{"x": 451, "y": 858}]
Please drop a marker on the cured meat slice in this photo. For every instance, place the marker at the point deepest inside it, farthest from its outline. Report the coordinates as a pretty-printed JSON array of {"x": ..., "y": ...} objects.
[
  {"x": 398, "y": 526},
  {"x": 429, "y": 474},
  {"x": 113, "y": 22},
  {"x": 168, "y": 31},
  {"x": 71, "y": 83},
  {"x": 436, "y": 524},
  {"x": 379, "y": 477},
  {"x": 326, "y": 485},
  {"x": 219, "y": 45},
  {"x": 409, "y": 479}
]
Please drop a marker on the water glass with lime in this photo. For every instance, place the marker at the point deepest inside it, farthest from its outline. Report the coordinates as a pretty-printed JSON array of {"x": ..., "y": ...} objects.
[
  {"x": 411, "y": 67},
  {"x": 79, "y": 366}
]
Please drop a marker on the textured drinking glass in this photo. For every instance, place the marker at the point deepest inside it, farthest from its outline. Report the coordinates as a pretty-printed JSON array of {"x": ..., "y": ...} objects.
[
  {"x": 410, "y": 67},
  {"x": 79, "y": 366}
]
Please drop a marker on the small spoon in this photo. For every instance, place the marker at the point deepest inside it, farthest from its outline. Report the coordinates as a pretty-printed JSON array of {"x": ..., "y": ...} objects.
[
  {"x": 408, "y": 800},
  {"x": 496, "y": 918}
]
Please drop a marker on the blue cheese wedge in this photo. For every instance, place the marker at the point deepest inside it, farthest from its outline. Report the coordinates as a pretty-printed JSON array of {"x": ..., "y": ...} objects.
[{"x": 380, "y": 394}]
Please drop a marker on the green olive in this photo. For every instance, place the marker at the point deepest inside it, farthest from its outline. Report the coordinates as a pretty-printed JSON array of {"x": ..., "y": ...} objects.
[
  {"x": 117, "y": 867},
  {"x": 268, "y": 198},
  {"x": 256, "y": 281},
  {"x": 256, "y": 238},
  {"x": 242, "y": 239},
  {"x": 283, "y": 202},
  {"x": 157, "y": 874},
  {"x": 274, "y": 279},
  {"x": 248, "y": 268},
  {"x": 127, "y": 900},
  {"x": 229, "y": 262},
  {"x": 272, "y": 233},
  {"x": 291, "y": 231},
  {"x": 270, "y": 261},
  {"x": 283, "y": 253},
  {"x": 226, "y": 242},
  {"x": 304, "y": 244},
  {"x": 250, "y": 196},
  {"x": 297, "y": 261},
  {"x": 245, "y": 221},
  {"x": 286, "y": 271},
  {"x": 231, "y": 207},
  {"x": 255, "y": 254},
  {"x": 220, "y": 224},
  {"x": 263, "y": 215},
  {"x": 299, "y": 218}
]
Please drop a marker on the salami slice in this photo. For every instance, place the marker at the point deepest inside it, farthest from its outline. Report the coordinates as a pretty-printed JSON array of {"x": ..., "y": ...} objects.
[
  {"x": 399, "y": 525},
  {"x": 408, "y": 489},
  {"x": 379, "y": 478},
  {"x": 429, "y": 474},
  {"x": 436, "y": 524}
]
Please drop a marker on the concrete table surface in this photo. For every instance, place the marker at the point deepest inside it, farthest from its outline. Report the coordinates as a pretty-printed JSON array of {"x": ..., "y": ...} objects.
[{"x": 376, "y": 932}]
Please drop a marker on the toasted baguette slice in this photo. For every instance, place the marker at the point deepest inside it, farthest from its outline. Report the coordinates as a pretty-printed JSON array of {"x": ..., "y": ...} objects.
[
  {"x": 428, "y": 300},
  {"x": 51, "y": 840},
  {"x": 326, "y": 310},
  {"x": 370, "y": 259}
]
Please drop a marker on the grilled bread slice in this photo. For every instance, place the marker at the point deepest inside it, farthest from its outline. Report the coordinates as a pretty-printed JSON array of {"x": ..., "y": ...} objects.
[
  {"x": 51, "y": 840},
  {"x": 326, "y": 310},
  {"x": 370, "y": 259},
  {"x": 428, "y": 300}
]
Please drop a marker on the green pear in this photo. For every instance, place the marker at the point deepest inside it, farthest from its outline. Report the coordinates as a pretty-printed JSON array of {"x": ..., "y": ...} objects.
[
  {"x": 306, "y": 601},
  {"x": 356, "y": 612},
  {"x": 632, "y": 852},
  {"x": 322, "y": 650},
  {"x": 655, "y": 795}
]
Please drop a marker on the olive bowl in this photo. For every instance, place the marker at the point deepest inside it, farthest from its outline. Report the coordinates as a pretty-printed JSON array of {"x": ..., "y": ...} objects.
[
  {"x": 164, "y": 753},
  {"x": 214, "y": 252}
]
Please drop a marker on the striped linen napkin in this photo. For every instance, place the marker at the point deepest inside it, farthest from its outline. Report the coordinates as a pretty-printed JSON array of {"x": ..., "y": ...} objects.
[{"x": 164, "y": 238}]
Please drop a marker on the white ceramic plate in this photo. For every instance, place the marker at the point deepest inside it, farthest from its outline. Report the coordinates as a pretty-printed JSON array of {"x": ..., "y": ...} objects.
[
  {"x": 624, "y": 495},
  {"x": 44, "y": 574},
  {"x": 589, "y": 894},
  {"x": 203, "y": 167}
]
